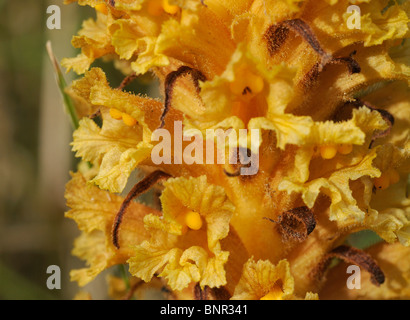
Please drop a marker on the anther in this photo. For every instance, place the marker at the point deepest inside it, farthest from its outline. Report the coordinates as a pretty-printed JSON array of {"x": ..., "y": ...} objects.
[
  {"x": 345, "y": 148},
  {"x": 328, "y": 151},
  {"x": 193, "y": 220},
  {"x": 128, "y": 120},
  {"x": 115, "y": 114}
]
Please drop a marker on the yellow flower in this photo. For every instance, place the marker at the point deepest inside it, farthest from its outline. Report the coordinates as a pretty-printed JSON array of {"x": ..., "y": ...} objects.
[
  {"x": 185, "y": 244},
  {"x": 331, "y": 109},
  {"x": 94, "y": 210},
  {"x": 263, "y": 281}
]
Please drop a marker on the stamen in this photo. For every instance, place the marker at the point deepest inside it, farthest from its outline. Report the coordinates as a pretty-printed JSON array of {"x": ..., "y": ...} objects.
[
  {"x": 115, "y": 114},
  {"x": 141, "y": 187},
  {"x": 291, "y": 222},
  {"x": 352, "y": 256},
  {"x": 127, "y": 80},
  {"x": 328, "y": 151},
  {"x": 170, "y": 80},
  {"x": 128, "y": 120},
  {"x": 193, "y": 220}
]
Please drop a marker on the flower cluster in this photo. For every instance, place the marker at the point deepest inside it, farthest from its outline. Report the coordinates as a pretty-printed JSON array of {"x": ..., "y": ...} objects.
[{"x": 332, "y": 108}]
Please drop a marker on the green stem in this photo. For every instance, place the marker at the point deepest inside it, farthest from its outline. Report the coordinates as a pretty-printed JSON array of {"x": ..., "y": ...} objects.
[
  {"x": 124, "y": 276},
  {"x": 69, "y": 106}
]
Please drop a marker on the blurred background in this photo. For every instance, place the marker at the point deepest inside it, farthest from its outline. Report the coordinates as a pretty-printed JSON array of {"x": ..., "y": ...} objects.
[{"x": 35, "y": 156}]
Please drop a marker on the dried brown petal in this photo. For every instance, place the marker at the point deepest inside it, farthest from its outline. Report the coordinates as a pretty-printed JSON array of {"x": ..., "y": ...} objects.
[
  {"x": 353, "y": 256},
  {"x": 141, "y": 187},
  {"x": 170, "y": 80}
]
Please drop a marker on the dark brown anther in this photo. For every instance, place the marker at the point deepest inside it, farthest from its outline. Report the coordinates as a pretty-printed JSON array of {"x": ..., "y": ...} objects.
[
  {"x": 111, "y": 3},
  {"x": 296, "y": 224},
  {"x": 141, "y": 187},
  {"x": 127, "y": 80},
  {"x": 170, "y": 80},
  {"x": 352, "y": 256}
]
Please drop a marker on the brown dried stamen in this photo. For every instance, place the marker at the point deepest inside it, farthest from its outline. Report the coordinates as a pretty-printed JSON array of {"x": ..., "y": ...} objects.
[
  {"x": 296, "y": 224},
  {"x": 276, "y": 35},
  {"x": 201, "y": 294},
  {"x": 353, "y": 256},
  {"x": 170, "y": 80},
  {"x": 141, "y": 187},
  {"x": 127, "y": 80}
]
